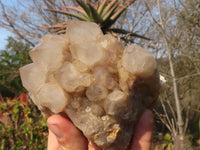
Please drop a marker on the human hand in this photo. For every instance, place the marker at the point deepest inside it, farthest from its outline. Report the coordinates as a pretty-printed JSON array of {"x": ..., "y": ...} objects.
[{"x": 63, "y": 135}]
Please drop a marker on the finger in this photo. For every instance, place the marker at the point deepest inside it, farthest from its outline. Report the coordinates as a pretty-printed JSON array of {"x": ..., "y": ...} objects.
[
  {"x": 92, "y": 146},
  {"x": 65, "y": 134},
  {"x": 143, "y": 132},
  {"x": 52, "y": 141}
]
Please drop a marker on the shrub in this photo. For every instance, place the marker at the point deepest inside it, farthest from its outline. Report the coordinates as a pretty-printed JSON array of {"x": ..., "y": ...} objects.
[
  {"x": 12, "y": 58},
  {"x": 22, "y": 127}
]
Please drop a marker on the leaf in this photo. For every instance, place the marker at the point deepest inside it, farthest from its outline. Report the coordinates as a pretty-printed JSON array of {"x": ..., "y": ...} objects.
[
  {"x": 167, "y": 137},
  {"x": 130, "y": 2},
  {"x": 95, "y": 15},
  {"x": 61, "y": 32},
  {"x": 121, "y": 31},
  {"x": 121, "y": 10},
  {"x": 96, "y": 5},
  {"x": 111, "y": 19},
  {"x": 23, "y": 98},
  {"x": 78, "y": 9},
  {"x": 59, "y": 29},
  {"x": 85, "y": 7},
  {"x": 110, "y": 12},
  {"x": 108, "y": 7},
  {"x": 56, "y": 25},
  {"x": 80, "y": 17},
  {"x": 102, "y": 6}
]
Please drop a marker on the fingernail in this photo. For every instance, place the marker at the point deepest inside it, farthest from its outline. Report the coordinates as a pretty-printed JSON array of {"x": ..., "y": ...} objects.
[
  {"x": 147, "y": 113},
  {"x": 147, "y": 117},
  {"x": 54, "y": 128}
]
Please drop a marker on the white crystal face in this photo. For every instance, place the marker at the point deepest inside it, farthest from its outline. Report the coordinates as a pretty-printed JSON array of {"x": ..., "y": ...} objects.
[
  {"x": 96, "y": 92},
  {"x": 32, "y": 77},
  {"x": 102, "y": 86},
  {"x": 115, "y": 101},
  {"x": 139, "y": 61},
  {"x": 88, "y": 54},
  {"x": 82, "y": 33},
  {"x": 81, "y": 67},
  {"x": 50, "y": 54},
  {"x": 70, "y": 79},
  {"x": 57, "y": 98},
  {"x": 105, "y": 77}
]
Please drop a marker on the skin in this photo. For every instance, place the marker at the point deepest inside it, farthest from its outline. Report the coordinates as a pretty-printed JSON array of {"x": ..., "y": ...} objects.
[{"x": 63, "y": 135}]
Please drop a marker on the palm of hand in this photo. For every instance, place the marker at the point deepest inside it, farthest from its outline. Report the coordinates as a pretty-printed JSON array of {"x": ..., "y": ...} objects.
[{"x": 63, "y": 135}]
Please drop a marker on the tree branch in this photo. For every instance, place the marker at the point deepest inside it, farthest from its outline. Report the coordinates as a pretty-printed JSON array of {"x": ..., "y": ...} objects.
[{"x": 13, "y": 27}]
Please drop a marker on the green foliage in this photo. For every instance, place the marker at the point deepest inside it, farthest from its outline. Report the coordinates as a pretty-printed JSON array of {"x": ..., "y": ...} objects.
[
  {"x": 168, "y": 138},
  {"x": 194, "y": 130},
  {"x": 162, "y": 142},
  {"x": 11, "y": 59},
  {"x": 21, "y": 125}
]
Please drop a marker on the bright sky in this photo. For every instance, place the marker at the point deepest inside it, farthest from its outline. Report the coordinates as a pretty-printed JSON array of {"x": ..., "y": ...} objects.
[
  {"x": 3, "y": 32},
  {"x": 3, "y": 36}
]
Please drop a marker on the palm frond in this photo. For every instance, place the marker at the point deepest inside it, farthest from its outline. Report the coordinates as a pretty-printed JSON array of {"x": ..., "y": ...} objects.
[
  {"x": 85, "y": 7},
  {"x": 104, "y": 14},
  {"x": 108, "y": 7},
  {"x": 102, "y": 7},
  {"x": 65, "y": 12},
  {"x": 128, "y": 33},
  {"x": 96, "y": 17},
  {"x": 78, "y": 9}
]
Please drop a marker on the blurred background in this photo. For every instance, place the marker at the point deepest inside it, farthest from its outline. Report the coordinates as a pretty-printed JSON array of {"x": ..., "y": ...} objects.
[{"x": 170, "y": 29}]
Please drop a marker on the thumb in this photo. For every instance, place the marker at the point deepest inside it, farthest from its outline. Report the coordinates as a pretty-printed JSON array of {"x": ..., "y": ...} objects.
[
  {"x": 64, "y": 135},
  {"x": 143, "y": 132}
]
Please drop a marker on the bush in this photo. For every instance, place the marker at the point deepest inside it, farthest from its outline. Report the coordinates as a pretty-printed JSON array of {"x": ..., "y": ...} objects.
[
  {"x": 22, "y": 127},
  {"x": 12, "y": 58}
]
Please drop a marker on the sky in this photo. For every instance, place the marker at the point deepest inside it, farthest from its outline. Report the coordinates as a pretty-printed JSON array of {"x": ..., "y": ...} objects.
[
  {"x": 3, "y": 36},
  {"x": 3, "y": 32}
]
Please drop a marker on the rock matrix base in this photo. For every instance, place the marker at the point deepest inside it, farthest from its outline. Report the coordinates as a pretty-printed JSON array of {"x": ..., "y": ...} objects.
[{"x": 100, "y": 84}]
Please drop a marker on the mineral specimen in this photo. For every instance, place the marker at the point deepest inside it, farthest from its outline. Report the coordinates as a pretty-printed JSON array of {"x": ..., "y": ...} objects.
[{"x": 102, "y": 86}]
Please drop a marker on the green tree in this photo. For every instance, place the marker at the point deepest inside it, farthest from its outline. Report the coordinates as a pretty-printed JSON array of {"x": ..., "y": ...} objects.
[{"x": 11, "y": 59}]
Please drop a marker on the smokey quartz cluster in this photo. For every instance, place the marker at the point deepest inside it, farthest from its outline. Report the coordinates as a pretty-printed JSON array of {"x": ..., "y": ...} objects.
[{"x": 102, "y": 86}]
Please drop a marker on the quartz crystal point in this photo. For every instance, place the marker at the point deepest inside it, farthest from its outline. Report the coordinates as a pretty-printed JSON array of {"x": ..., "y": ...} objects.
[{"x": 100, "y": 84}]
